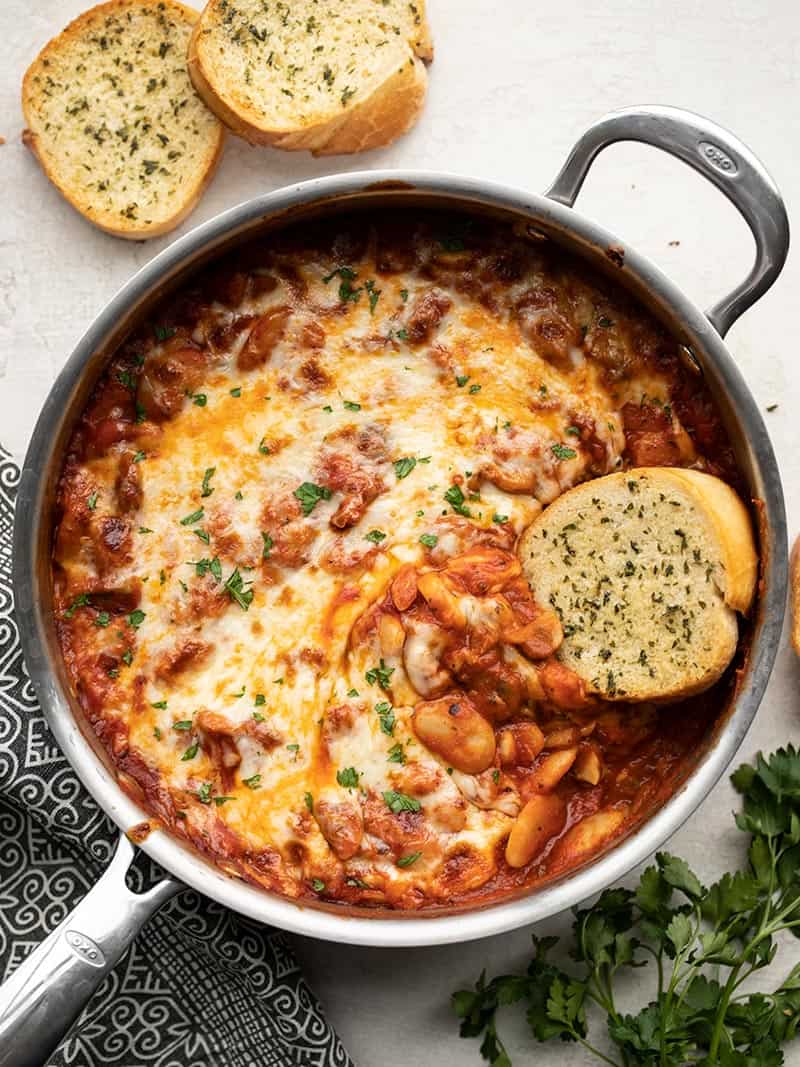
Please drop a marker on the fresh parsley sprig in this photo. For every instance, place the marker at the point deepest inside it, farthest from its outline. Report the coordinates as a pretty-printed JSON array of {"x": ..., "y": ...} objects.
[{"x": 706, "y": 942}]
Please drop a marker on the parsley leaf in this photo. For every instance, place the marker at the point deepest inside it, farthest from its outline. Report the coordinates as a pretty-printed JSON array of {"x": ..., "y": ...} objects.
[
  {"x": 235, "y": 588},
  {"x": 310, "y": 495},
  {"x": 253, "y": 782},
  {"x": 206, "y": 489},
  {"x": 455, "y": 498},
  {"x": 403, "y": 467},
  {"x": 348, "y": 777},
  {"x": 429, "y": 540},
  {"x": 400, "y": 802},
  {"x": 268, "y": 544},
  {"x": 386, "y": 715},
  {"x": 563, "y": 451},
  {"x": 380, "y": 674},
  {"x": 196, "y": 516},
  {"x": 406, "y": 861},
  {"x": 376, "y": 536}
]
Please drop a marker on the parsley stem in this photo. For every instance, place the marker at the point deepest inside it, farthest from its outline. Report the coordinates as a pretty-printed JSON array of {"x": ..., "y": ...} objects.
[{"x": 595, "y": 1051}]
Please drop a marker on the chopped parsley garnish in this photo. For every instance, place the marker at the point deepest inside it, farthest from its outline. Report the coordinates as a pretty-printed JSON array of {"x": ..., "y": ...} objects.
[
  {"x": 139, "y": 456},
  {"x": 346, "y": 290},
  {"x": 253, "y": 782},
  {"x": 196, "y": 516},
  {"x": 235, "y": 588},
  {"x": 161, "y": 704},
  {"x": 199, "y": 400},
  {"x": 376, "y": 536},
  {"x": 461, "y": 380},
  {"x": 455, "y": 498},
  {"x": 127, "y": 657},
  {"x": 573, "y": 431},
  {"x": 403, "y": 467},
  {"x": 102, "y": 619},
  {"x": 396, "y": 754},
  {"x": 209, "y": 566},
  {"x": 604, "y": 322},
  {"x": 219, "y": 801},
  {"x": 204, "y": 793},
  {"x": 400, "y": 802},
  {"x": 182, "y": 724},
  {"x": 190, "y": 752},
  {"x": 317, "y": 885},
  {"x": 237, "y": 391},
  {"x": 260, "y": 700},
  {"x": 309, "y": 801},
  {"x": 206, "y": 489},
  {"x": 327, "y": 408},
  {"x": 352, "y": 693},
  {"x": 145, "y": 530},
  {"x": 294, "y": 749},
  {"x": 163, "y": 333},
  {"x": 402, "y": 335},
  {"x": 429, "y": 540},
  {"x": 258, "y": 717},
  {"x": 136, "y": 618},
  {"x": 386, "y": 715},
  {"x": 406, "y": 861},
  {"x": 263, "y": 447},
  {"x": 373, "y": 294},
  {"x": 91, "y": 502},
  {"x": 380, "y": 674},
  {"x": 268, "y": 544},
  {"x": 404, "y": 295},
  {"x": 204, "y": 537},
  {"x": 499, "y": 519},
  {"x": 563, "y": 451},
  {"x": 157, "y": 733},
  {"x": 474, "y": 388},
  {"x": 348, "y": 777},
  {"x": 310, "y": 495},
  {"x": 351, "y": 405}
]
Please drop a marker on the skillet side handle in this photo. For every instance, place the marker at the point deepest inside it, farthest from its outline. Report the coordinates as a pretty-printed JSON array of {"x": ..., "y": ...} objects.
[
  {"x": 48, "y": 991},
  {"x": 721, "y": 158}
]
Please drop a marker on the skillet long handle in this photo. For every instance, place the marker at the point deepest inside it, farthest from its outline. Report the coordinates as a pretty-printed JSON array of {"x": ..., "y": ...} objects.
[
  {"x": 48, "y": 991},
  {"x": 721, "y": 158}
]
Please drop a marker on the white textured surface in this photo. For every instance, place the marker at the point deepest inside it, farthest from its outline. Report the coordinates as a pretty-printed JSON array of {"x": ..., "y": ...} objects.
[{"x": 511, "y": 89}]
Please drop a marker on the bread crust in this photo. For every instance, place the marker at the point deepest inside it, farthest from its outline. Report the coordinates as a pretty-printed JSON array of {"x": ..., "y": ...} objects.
[
  {"x": 380, "y": 117},
  {"x": 730, "y": 526},
  {"x": 73, "y": 32}
]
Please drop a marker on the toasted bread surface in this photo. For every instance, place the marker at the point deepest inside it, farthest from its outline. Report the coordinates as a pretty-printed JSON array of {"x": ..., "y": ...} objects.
[
  {"x": 647, "y": 569},
  {"x": 115, "y": 121},
  {"x": 319, "y": 76}
]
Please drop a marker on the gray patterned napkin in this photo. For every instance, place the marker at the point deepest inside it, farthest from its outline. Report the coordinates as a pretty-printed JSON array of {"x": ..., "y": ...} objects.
[{"x": 200, "y": 987}]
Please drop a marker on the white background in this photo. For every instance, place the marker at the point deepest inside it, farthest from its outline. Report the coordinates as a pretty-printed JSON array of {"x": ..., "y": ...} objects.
[{"x": 512, "y": 86}]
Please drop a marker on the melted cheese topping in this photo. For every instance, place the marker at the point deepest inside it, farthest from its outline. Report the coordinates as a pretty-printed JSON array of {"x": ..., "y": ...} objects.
[{"x": 397, "y": 409}]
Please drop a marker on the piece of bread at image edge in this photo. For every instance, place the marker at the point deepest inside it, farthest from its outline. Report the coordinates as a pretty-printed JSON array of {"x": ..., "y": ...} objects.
[
  {"x": 115, "y": 121},
  {"x": 647, "y": 569},
  {"x": 316, "y": 75}
]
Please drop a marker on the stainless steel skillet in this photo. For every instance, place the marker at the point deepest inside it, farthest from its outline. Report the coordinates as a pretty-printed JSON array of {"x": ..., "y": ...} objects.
[{"x": 47, "y": 992}]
